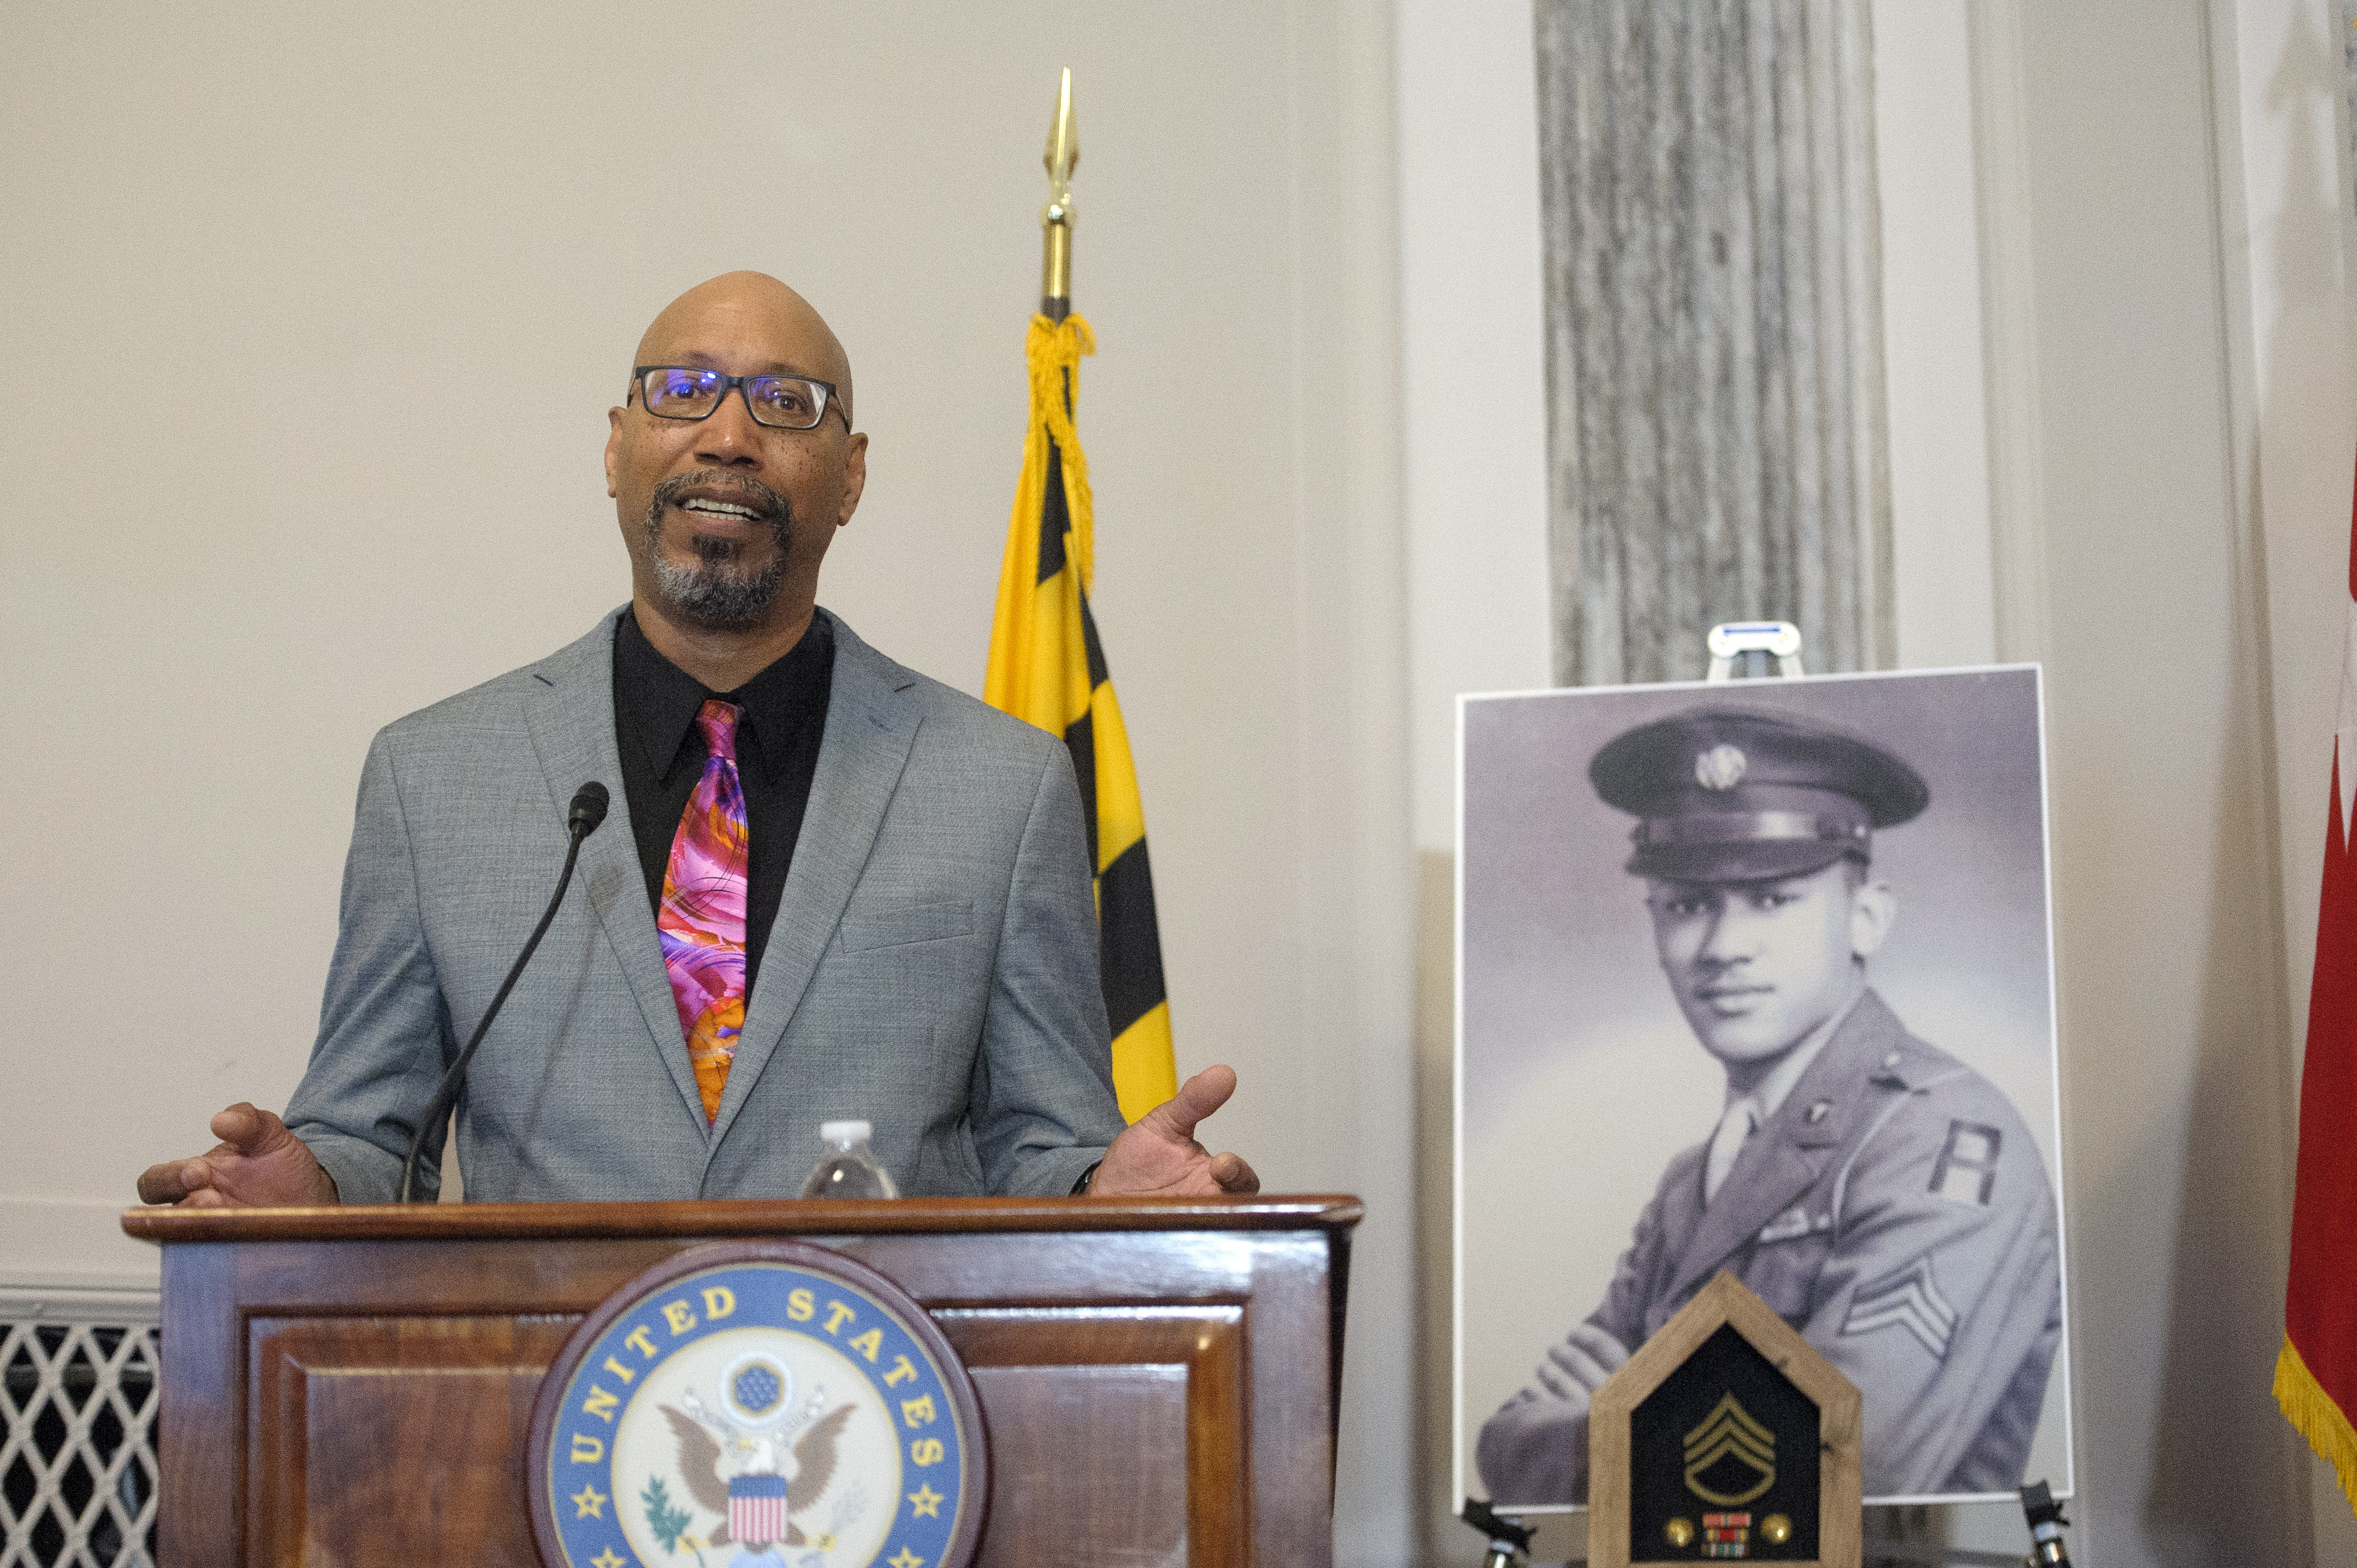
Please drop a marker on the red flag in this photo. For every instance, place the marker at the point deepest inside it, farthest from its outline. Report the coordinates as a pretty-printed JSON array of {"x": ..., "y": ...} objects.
[{"x": 2316, "y": 1375}]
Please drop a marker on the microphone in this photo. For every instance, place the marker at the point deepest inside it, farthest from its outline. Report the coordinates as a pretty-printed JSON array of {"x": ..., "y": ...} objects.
[
  {"x": 581, "y": 819},
  {"x": 587, "y": 811}
]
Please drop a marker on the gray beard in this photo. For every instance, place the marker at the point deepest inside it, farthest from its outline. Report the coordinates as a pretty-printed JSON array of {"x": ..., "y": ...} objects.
[{"x": 717, "y": 594}]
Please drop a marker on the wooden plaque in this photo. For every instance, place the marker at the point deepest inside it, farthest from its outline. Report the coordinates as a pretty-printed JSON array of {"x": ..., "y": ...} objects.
[{"x": 1726, "y": 1437}]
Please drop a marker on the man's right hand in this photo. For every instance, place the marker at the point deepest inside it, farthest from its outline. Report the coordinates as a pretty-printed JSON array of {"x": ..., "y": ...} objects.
[
  {"x": 257, "y": 1163},
  {"x": 1577, "y": 1367}
]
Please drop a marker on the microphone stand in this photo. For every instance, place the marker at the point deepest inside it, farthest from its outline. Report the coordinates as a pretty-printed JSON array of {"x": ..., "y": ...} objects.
[{"x": 589, "y": 809}]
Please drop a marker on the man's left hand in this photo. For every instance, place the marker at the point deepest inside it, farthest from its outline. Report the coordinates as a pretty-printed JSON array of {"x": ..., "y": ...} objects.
[{"x": 1157, "y": 1156}]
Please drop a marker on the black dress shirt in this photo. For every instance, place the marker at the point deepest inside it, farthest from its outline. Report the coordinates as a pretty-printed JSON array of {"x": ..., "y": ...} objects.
[{"x": 778, "y": 736}]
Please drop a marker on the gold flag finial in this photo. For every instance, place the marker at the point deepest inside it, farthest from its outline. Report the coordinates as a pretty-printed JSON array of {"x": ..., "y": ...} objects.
[{"x": 1056, "y": 218}]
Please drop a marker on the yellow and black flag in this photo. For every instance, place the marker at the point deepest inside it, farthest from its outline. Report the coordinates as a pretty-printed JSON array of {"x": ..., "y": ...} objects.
[{"x": 1047, "y": 666}]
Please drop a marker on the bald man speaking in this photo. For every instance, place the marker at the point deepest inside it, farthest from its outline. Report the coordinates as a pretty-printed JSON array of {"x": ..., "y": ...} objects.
[{"x": 839, "y": 890}]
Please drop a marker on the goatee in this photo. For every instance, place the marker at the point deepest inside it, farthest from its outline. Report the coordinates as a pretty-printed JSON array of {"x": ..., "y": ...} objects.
[{"x": 719, "y": 593}]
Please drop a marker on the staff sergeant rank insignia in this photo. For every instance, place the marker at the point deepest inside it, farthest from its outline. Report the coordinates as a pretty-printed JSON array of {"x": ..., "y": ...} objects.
[{"x": 767, "y": 1405}]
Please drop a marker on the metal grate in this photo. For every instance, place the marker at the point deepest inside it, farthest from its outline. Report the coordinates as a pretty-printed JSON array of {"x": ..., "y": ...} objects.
[{"x": 76, "y": 1439}]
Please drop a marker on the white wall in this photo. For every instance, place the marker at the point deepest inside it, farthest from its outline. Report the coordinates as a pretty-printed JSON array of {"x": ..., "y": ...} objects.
[
  {"x": 1472, "y": 347},
  {"x": 246, "y": 247},
  {"x": 1942, "y": 576},
  {"x": 2167, "y": 894},
  {"x": 1473, "y": 451}
]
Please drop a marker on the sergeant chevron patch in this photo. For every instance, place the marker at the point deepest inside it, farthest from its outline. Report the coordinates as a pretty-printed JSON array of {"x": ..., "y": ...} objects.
[{"x": 1909, "y": 1299}]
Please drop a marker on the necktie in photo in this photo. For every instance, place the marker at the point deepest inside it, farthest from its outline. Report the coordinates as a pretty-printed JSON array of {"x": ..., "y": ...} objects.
[
  {"x": 702, "y": 922},
  {"x": 1734, "y": 1129}
]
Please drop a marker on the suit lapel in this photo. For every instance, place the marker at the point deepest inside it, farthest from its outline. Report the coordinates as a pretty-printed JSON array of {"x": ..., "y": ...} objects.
[
  {"x": 570, "y": 712},
  {"x": 1787, "y": 1156},
  {"x": 869, "y": 727}
]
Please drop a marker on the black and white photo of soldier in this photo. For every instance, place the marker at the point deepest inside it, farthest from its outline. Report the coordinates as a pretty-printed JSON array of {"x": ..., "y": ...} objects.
[{"x": 1883, "y": 1196}]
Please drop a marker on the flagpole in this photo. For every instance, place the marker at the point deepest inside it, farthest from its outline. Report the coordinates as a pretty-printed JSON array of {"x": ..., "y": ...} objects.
[
  {"x": 1048, "y": 668},
  {"x": 1056, "y": 218}
]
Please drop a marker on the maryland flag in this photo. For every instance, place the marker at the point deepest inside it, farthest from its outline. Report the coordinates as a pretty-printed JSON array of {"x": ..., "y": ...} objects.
[
  {"x": 1047, "y": 666},
  {"x": 2316, "y": 1374}
]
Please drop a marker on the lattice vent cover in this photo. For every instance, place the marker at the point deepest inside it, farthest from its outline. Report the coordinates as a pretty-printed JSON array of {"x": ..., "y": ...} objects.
[{"x": 78, "y": 1458}]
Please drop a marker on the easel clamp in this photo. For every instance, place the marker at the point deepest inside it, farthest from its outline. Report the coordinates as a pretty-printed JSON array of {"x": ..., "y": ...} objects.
[{"x": 1777, "y": 639}]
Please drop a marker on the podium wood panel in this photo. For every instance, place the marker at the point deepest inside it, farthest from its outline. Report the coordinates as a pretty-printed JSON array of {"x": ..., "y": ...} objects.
[
  {"x": 1144, "y": 1404},
  {"x": 354, "y": 1386},
  {"x": 463, "y": 1384}
]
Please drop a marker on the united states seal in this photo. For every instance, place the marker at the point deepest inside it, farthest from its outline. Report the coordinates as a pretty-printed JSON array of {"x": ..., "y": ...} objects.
[{"x": 758, "y": 1404}]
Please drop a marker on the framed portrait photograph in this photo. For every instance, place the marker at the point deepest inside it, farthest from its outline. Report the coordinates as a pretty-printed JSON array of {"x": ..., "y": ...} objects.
[{"x": 1757, "y": 976}]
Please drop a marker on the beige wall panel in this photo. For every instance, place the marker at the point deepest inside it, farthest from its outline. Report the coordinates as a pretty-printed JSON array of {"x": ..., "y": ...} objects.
[{"x": 2170, "y": 939}]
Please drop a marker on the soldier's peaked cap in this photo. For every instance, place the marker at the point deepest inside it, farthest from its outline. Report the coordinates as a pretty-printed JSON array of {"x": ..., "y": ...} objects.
[{"x": 1726, "y": 794}]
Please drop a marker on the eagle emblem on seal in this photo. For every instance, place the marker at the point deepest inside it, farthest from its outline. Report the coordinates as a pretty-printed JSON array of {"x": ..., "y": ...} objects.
[{"x": 759, "y": 1459}]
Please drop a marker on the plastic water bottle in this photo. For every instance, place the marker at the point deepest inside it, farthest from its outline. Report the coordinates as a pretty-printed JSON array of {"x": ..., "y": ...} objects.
[{"x": 848, "y": 1168}]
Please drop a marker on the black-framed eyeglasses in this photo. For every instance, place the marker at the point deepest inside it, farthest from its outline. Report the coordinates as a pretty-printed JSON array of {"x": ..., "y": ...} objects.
[{"x": 692, "y": 391}]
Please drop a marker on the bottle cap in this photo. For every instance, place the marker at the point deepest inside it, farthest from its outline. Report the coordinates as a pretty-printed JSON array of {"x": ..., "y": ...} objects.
[{"x": 845, "y": 1132}]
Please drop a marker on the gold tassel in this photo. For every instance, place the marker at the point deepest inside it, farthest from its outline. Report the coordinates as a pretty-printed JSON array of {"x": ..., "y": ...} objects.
[
  {"x": 2312, "y": 1412},
  {"x": 1053, "y": 351}
]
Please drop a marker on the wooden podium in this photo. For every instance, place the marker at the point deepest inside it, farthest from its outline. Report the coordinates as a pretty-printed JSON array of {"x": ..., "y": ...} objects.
[{"x": 354, "y": 1386}]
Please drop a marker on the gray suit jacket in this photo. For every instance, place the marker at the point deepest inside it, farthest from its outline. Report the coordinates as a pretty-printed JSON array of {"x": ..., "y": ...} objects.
[{"x": 933, "y": 967}]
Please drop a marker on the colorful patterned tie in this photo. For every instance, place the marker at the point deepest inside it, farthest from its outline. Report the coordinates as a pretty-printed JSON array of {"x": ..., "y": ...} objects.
[{"x": 702, "y": 923}]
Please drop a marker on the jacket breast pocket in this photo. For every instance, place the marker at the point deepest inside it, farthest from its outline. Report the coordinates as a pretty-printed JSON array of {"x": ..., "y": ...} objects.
[
  {"x": 1784, "y": 1263},
  {"x": 906, "y": 924}
]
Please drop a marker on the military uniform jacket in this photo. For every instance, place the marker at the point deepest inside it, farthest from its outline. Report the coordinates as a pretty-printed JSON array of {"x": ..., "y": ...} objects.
[{"x": 1897, "y": 1212}]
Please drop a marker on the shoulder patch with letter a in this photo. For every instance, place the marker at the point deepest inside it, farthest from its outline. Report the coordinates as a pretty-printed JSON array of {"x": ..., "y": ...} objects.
[
  {"x": 1909, "y": 1299},
  {"x": 1967, "y": 1169}
]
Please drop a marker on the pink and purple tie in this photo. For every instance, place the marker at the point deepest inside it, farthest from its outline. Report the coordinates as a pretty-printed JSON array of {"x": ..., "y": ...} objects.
[{"x": 702, "y": 922}]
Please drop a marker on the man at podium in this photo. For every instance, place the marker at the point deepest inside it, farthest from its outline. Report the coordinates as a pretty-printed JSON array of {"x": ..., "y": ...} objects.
[{"x": 836, "y": 889}]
